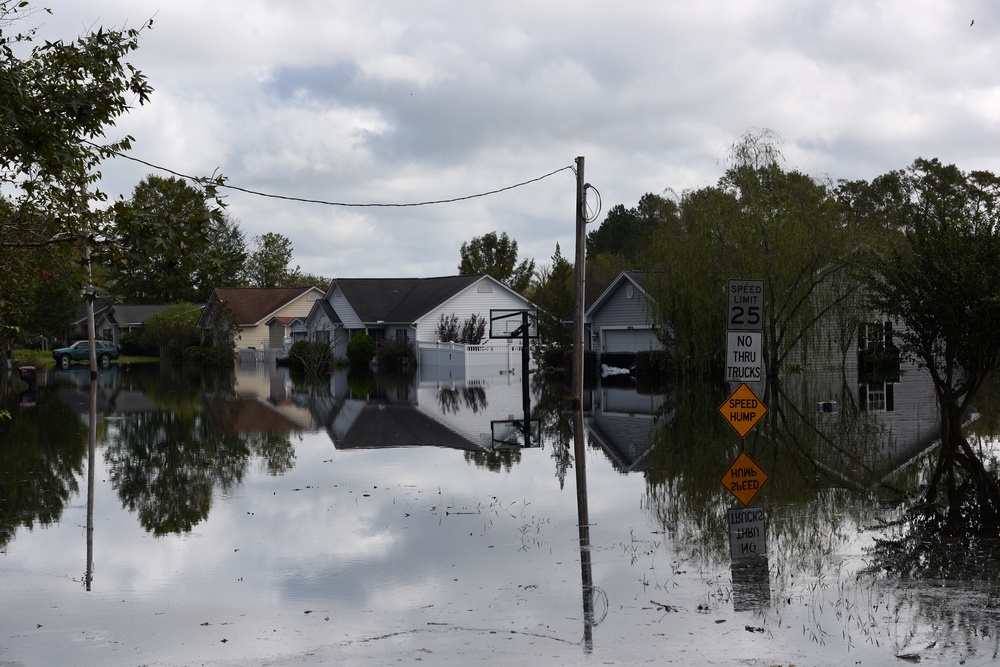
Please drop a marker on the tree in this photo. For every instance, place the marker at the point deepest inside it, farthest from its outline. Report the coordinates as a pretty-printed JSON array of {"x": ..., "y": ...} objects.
[
  {"x": 470, "y": 332},
  {"x": 58, "y": 101},
  {"x": 602, "y": 269},
  {"x": 200, "y": 248},
  {"x": 173, "y": 330},
  {"x": 58, "y": 104},
  {"x": 38, "y": 294},
  {"x": 269, "y": 261},
  {"x": 496, "y": 256},
  {"x": 760, "y": 221},
  {"x": 626, "y": 232},
  {"x": 474, "y": 330},
  {"x": 942, "y": 282},
  {"x": 553, "y": 291},
  {"x": 226, "y": 257},
  {"x": 447, "y": 328}
]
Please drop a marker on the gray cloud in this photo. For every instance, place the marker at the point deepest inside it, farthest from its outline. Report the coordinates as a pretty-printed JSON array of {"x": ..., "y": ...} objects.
[{"x": 403, "y": 102}]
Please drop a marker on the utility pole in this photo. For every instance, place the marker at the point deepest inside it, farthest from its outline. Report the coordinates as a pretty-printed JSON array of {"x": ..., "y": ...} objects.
[
  {"x": 580, "y": 448},
  {"x": 580, "y": 281}
]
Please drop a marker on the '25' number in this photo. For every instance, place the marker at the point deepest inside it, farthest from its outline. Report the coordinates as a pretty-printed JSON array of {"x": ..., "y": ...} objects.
[{"x": 749, "y": 316}]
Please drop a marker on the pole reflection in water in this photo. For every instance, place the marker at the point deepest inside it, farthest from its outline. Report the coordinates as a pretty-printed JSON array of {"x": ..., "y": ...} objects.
[
  {"x": 751, "y": 584},
  {"x": 91, "y": 456},
  {"x": 583, "y": 514}
]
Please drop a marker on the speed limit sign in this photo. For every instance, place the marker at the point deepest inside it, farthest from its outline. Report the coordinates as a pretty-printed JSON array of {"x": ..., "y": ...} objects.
[{"x": 746, "y": 305}]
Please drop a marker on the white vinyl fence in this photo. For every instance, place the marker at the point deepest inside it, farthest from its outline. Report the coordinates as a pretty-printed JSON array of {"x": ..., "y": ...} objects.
[{"x": 466, "y": 360}]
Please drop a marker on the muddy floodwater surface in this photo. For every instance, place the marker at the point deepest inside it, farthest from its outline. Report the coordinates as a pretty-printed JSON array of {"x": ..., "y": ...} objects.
[{"x": 243, "y": 519}]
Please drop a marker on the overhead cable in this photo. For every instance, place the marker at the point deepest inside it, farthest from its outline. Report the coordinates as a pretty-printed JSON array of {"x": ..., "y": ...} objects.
[{"x": 343, "y": 204}]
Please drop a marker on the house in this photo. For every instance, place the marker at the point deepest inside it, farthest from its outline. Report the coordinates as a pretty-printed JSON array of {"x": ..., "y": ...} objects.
[
  {"x": 78, "y": 327},
  {"x": 404, "y": 309},
  {"x": 112, "y": 321},
  {"x": 253, "y": 308},
  {"x": 620, "y": 319},
  {"x": 284, "y": 331},
  {"x": 116, "y": 321}
]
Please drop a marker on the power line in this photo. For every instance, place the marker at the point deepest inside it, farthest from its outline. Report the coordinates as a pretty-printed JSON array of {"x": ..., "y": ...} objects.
[{"x": 343, "y": 204}]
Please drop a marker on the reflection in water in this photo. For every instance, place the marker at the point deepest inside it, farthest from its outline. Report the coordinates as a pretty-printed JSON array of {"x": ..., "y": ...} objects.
[
  {"x": 91, "y": 461},
  {"x": 295, "y": 487},
  {"x": 751, "y": 584},
  {"x": 42, "y": 448},
  {"x": 583, "y": 519}
]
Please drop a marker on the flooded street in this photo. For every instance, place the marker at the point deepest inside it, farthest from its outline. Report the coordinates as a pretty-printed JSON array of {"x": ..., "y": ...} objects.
[{"x": 249, "y": 520}]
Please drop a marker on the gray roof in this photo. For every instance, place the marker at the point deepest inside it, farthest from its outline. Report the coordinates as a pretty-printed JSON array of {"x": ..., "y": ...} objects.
[
  {"x": 381, "y": 425},
  {"x": 124, "y": 315},
  {"x": 400, "y": 299},
  {"x": 101, "y": 306},
  {"x": 330, "y": 313}
]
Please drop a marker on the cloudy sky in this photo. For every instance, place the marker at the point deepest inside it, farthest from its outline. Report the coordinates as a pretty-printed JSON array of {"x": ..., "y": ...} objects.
[{"x": 402, "y": 101}]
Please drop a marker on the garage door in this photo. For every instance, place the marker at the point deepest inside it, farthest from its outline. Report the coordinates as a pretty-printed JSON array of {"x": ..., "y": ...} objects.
[{"x": 629, "y": 340}]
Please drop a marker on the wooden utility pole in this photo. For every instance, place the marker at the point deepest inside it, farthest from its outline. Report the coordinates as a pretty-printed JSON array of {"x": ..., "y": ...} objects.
[
  {"x": 579, "y": 437},
  {"x": 580, "y": 449},
  {"x": 580, "y": 278}
]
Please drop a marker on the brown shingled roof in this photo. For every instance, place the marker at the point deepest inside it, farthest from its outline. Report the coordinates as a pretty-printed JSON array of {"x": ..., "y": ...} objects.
[{"x": 250, "y": 305}]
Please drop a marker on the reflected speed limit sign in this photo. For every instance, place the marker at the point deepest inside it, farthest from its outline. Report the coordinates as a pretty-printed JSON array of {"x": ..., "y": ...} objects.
[{"x": 746, "y": 305}]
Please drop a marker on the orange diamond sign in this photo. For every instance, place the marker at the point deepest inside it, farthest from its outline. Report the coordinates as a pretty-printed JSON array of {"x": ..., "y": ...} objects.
[
  {"x": 744, "y": 479},
  {"x": 743, "y": 410}
]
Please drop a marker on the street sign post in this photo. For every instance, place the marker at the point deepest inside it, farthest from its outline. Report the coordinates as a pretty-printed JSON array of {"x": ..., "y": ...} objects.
[
  {"x": 744, "y": 479},
  {"x": 743, "y": 410}
]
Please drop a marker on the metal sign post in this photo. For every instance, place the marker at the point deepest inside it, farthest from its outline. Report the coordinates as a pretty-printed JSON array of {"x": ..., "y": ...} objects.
[{"x": 743, "y": 410}]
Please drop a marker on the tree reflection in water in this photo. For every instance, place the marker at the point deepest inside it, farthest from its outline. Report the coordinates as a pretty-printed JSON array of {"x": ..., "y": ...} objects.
[
  {"x": 165, "y": 464},
  {"x": 834, "y": 476},
  {"x": 40, "y": 462}
]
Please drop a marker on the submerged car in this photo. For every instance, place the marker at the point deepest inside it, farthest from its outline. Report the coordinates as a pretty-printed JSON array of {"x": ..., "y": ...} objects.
[{"x": 80, "y": 351}]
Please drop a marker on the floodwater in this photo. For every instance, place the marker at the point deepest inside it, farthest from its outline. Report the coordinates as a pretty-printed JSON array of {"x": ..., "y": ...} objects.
[{"x": 247, "y": 520}]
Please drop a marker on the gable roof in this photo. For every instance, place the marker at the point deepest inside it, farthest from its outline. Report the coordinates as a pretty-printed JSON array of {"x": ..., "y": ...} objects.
[
  {"x": 328, "y": 310},
  {"x": 101, "y": 305},
  {"x": 402, "y": 299},
  {"x": 637, "y": 278},
  {"x": 253, "y": 305},
  {"x": 126, "y": 314}
]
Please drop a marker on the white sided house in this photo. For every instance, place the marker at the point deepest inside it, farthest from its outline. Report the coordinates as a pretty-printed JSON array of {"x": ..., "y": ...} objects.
[
  {"x": 404, "y": 309},
  {"x": 620, "y": 319}
]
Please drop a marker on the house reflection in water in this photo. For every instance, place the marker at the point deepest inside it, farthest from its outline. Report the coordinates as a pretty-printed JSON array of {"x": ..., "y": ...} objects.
[
  {"x": 624, "y": 423},
  {"x": 876, "y": 415},
  {"x": 266, "y": 402},
  {"x": 416, "y": 411}
]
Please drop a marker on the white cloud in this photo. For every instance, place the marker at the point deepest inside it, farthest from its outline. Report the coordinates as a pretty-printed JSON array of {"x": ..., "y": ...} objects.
[{"x": 403, "y": 102}]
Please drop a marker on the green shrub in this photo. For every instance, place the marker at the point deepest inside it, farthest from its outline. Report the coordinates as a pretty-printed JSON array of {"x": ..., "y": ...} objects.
[
  {"x": 135, "y": 344},
  {"x": 311, "y": 358},
  {"x": 360, "y": 350}
]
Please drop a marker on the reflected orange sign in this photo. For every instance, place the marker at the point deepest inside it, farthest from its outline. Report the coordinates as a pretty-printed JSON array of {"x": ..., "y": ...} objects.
[
  {"x": 744, "y": 479},
  {"x": 743, "y": 410}
]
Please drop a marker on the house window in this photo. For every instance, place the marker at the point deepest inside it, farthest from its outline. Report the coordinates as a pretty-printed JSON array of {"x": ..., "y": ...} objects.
[
  {"x": 323, "y": 336},
  {"x": 402, "y": 336},
  {"x": 629, "y": 293},
  {"x": 876, "y": 396},
  {"x": 485, "y": 288},
  {"x": 106, "y": 334},
  {"x": 378, "y": 335}
]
